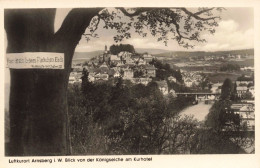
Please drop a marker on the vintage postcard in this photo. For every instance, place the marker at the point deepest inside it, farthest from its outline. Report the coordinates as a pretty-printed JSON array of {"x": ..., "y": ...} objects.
[{"x": 130, "y": 84}]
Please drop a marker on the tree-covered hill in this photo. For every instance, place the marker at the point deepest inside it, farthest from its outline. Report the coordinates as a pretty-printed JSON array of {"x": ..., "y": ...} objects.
[{"x": 204, "y": 53}]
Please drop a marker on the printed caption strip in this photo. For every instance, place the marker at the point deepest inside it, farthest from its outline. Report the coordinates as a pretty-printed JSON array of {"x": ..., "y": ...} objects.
[{"x": 35, "y": 60}]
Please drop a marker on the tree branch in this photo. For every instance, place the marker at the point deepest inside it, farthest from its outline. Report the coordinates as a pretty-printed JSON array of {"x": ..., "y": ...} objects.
[
  {"x": 203, "y": 11},
  {"x": 178, "y": 31},
  {"x": 195, "y": 15},
  {"x": 98, "y": 21},
  {"x": 137, "y": 12},
  {"x": 92, "y": 30}
]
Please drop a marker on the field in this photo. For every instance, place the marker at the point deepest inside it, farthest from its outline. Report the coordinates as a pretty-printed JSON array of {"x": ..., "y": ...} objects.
[
  {"x": 221, "y": 76},
  {"x": 247, "y": 62}
]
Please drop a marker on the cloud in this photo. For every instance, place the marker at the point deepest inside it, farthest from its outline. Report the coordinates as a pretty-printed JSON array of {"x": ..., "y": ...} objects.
[
  {"x": 228, "y": 36},
  {"x": 228, "y": 25}
]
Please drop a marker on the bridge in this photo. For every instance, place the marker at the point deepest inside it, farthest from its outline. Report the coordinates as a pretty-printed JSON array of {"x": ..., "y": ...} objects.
[{"x": 207, "y": 96}]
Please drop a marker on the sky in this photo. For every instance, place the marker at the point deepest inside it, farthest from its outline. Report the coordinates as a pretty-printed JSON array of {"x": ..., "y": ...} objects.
[{"x": 235, "y": 31}]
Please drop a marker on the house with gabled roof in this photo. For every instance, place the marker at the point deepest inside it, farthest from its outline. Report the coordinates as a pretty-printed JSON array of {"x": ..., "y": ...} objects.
[
  {"x": 99, "y": 76},
  {"x": 188, "y": 82},
  {"x": 124, "y": 54},
  {"x": 244, "y": 82},
  {"x": 148, "y": 57},
  {"x": 150, "y": 71},
  {"x": 246, "y": 112},
  {"x": 72, "y": 79},
  {"x": 117, "y": 74},
  {"x": 115, "y": 59},
  {"x": 141, "y": 61},
  {"x": 241, "y": 90}
]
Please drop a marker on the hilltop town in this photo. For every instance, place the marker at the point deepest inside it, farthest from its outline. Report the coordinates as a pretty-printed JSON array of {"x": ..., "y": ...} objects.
[{"x": 129, "y": 66}]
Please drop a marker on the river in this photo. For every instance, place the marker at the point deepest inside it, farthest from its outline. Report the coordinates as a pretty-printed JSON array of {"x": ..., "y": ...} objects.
[{"x": 199, "y": 111}]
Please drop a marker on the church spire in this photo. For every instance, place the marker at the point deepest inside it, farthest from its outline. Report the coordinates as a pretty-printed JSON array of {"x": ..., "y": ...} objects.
[{"x": 105, "y": 48}]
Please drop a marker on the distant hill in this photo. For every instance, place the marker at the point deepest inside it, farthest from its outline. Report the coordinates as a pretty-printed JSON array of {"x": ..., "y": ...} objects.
[
  {"x": 86, "y": 55},
  {"x": 89, "y": 55},
  {"x": 204, "y": 53},
  {"x": 151, "y": 50},
  {"x": 165, "y": 53}
]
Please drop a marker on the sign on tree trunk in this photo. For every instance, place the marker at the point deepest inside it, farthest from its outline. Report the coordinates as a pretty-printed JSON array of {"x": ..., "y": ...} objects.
[{"x": 35, "y": 60}]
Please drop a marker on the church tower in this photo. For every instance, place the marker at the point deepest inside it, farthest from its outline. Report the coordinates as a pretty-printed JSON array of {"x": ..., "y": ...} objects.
[
  {"x": 106, "y": 55},
  {"x": 105, "y": 48}
]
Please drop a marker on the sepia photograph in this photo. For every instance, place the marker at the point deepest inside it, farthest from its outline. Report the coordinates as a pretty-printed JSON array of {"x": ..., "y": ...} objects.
[{"x": 139, "y": 81}]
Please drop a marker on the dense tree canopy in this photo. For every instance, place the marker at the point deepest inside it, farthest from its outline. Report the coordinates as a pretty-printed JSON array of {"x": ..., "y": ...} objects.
[
  {"x": 230, "y": 67},
  {"x": 220, "y": 114},
  {"x": 163, "y": 71},
  {"x": 134, "y": 119},
  {"x": 115, "y": 49},
  {"x": 227, "y": 89}
]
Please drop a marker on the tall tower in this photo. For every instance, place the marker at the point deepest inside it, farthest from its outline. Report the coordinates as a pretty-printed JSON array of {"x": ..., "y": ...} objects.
[
  {"x": 105, "y": 48},
  {"x": 105, "y": 55}
]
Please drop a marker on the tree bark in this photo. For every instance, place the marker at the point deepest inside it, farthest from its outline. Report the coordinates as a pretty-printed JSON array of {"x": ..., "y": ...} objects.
[{"x": 38, "y": 97}]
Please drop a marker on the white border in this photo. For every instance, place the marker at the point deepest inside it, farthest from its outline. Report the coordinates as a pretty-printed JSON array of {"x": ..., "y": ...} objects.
[{"x": 193, "y": 161}]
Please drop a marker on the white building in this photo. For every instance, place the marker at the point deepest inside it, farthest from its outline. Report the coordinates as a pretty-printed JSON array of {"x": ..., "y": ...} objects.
[
  {"x": 216, "y": 88},
  {"x": 117, "y": 74},
  {"x": 172, "y": 79},
  {"x": 246, "y": 113},
  {"x": 251, "y": 89},
  {"x": 148, "y": 57},
  {"x": 128, "y": 74},
  {"x": 188, "y": 82},
  {"x": 241, "y": 90},
  {"x": 72, "y": 79}
]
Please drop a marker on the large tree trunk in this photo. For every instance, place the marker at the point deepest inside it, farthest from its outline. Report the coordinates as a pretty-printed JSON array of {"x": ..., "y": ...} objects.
[{"x": 38, "y": 97}]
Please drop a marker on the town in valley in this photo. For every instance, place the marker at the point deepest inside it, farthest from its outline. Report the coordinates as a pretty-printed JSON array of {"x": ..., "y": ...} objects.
[{"x": 197, "y": 75}]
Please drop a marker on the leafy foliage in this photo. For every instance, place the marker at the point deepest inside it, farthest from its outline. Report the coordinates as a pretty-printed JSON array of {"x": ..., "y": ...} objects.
[{"x": 179, "y": 24}]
